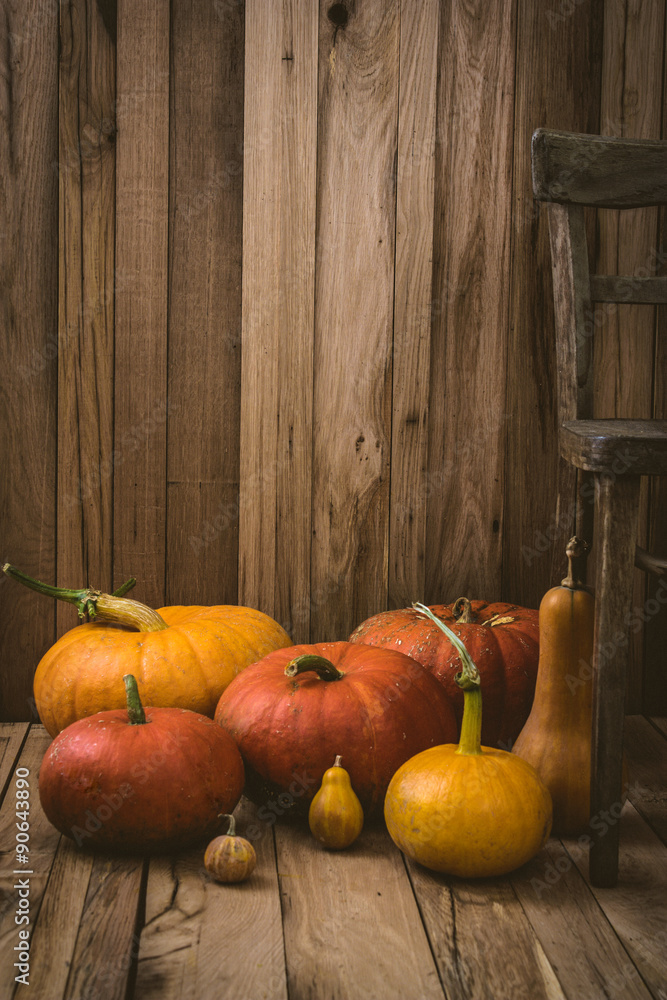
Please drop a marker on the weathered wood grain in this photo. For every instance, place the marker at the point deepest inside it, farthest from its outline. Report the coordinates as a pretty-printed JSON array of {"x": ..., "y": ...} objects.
[
  {"x": 558, "y": 60},
  {"x": 28, "y": 343},
  {"x": 413, "y": 296},
  {"x": 54, "y": 938},
  {"x": 106, "y": 946},
  {"x": 655, "y": 631},
  {"x": 646, "y": 753},
  {"x": 278, "y": 310},
  {"x": 43, "y": 843},
  {"x": 606, "y": 175},
  {"x": 202, "y": 939},
  {"x": 625, "y": 335},
  {"x": 350, "y": 919},
  {"x": 204, "y": 319},
  {"x": 87, "y": 191},
  {"x": 140, "y": 380},
  {"x": 357, "y": 145},
  {"x": 12, "y": 737},
  {"x": 581, "y": 946},
  {"x": 637, "y": 907},
  {"x": 467, "y": 413},
  {"x": 659, "y": 723},
  {"x": 481, "y": 939}
]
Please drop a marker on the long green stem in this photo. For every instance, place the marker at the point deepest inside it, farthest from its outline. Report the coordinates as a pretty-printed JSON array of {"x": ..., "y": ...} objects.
[
  {"x": 95, "y": 604},
  {"x": 468, "y": 680},
  {"x": 135, "y": 710}
]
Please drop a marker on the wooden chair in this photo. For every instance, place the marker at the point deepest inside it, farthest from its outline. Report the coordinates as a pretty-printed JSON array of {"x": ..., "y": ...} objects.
[{"x": 571, "y": 171}]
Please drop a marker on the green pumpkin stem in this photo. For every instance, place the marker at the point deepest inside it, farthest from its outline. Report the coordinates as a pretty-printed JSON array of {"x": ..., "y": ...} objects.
[
  {"x": 231, "y": 826},
  {"x": 470, "y": 742},
  {"x": 135, "y": 710},
  {"x": 105, "y": 607},
  {"x": 324, "y": 668}
]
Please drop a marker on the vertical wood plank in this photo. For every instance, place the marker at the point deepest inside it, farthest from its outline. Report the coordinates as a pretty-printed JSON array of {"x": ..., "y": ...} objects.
[
  {"x": 43, "y": 845},
  {"x": 412, "y": 302},
  {"x": 140, "y": 404},
  {"x": 278, "y": 304},
  {"x": 28, "y": 345},
  {"x": 87, "y": 172},
  {"x": 357, "y": 146},
  {"x": 204, "y": 366},
  {"x": 472, "y": 244},
  {"x": 631, "y": 105},
  {"x": 558, "y": 73},
  {"x": 351, "y": 920},
  {"x": 202, "y": 939},
  {"x": 654, "y": 691}
]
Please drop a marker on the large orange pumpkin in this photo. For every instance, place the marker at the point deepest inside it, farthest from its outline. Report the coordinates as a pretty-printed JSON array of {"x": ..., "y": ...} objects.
[
  {"x": 140, "y": 780},
  {"x": 297, "y": 708},
  {"x": 181, "y": 656},
  {"x": 503, "y": 642}
]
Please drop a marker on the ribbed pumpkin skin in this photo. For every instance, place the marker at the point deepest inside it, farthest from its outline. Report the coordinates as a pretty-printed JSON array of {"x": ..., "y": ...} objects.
[
  {"x": 230, "y": 859},
  {"x": 385, "y": 709},
  {"x": 474, "y": 816},
  {"x": 505, "y": 654},
  {"x": 187, "y": 665},
  {"x": 556, "y": 739},
  {"x": 159, "y": 786}
]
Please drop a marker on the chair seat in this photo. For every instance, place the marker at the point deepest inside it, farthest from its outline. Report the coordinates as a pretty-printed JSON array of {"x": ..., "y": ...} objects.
[{"x": 622, "y": 447}]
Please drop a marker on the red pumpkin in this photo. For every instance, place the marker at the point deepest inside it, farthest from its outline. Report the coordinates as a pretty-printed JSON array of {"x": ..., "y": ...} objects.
[
  {"x": 295, "y": 709},
  {"x": 502, "y": 640},
  {"x": 126, "y": 780}
]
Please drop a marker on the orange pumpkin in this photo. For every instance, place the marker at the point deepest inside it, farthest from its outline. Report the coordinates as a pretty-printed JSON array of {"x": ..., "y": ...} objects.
[
  {"x": 502, "y": 640},
  {"x": 468, "y": 810},
  {"x": 182, "y": 657},
  {"x": 140, "y": 780}
]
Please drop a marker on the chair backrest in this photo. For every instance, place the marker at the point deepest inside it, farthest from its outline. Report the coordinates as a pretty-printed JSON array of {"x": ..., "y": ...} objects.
[{"x": 571, "y": 171}]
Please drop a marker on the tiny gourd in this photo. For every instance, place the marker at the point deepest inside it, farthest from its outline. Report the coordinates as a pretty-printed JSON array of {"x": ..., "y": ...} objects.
[
  {"x": 230, "y": 858},
  {"x": 336, "y": 816},
  {"x": 468, "y": 810}
]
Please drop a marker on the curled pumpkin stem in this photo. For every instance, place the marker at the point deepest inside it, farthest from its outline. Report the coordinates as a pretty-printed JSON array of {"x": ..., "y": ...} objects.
[
  {"x": 95, "y": 604},
  {"x": 468, "y": 680}
]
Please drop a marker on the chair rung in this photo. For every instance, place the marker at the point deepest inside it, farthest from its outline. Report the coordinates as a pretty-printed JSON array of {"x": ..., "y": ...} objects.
[{"x": 609, "y": 288}]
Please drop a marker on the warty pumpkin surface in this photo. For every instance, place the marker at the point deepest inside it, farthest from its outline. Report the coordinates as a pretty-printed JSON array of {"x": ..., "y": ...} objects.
[
  {"x": 297, "y": 708},
  {"x": 503, "y": 642}
]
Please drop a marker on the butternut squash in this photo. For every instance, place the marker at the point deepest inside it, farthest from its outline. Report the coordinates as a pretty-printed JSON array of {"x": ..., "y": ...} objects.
[{"x": 556, "y": 738}]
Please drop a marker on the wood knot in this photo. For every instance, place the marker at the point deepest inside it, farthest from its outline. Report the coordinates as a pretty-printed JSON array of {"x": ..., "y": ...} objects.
[{"x": 339, "y": 15}]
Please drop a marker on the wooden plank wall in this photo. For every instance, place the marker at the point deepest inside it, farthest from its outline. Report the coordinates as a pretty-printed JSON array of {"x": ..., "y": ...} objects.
[{"x": 276, "y": 301}]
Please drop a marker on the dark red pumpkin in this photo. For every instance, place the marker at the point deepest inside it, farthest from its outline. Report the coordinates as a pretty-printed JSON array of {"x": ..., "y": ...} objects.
[
  {"x": 295, "y": 709},
  {"x": 503, "y": 642},
  {"x": 126, "y": 781}
]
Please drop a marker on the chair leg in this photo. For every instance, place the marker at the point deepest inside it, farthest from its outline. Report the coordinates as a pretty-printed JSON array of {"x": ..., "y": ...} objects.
[{"x": 617, "y": 517}]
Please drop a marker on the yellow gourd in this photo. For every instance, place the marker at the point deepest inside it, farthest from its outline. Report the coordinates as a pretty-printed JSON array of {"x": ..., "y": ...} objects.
[
  {"x": 468, "y": 810},
  {"x": 336, "y": 816}
]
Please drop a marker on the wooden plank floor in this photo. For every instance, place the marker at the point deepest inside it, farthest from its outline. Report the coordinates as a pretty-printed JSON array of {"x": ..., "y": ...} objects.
[{"x": 325, "y": 925}]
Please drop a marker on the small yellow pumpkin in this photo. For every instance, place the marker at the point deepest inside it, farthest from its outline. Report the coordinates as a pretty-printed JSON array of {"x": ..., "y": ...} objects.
[
  {"x": 336, "y": 816},
  {"x": 230, "y": 858},
  {"x": 468, "y": 810}
]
